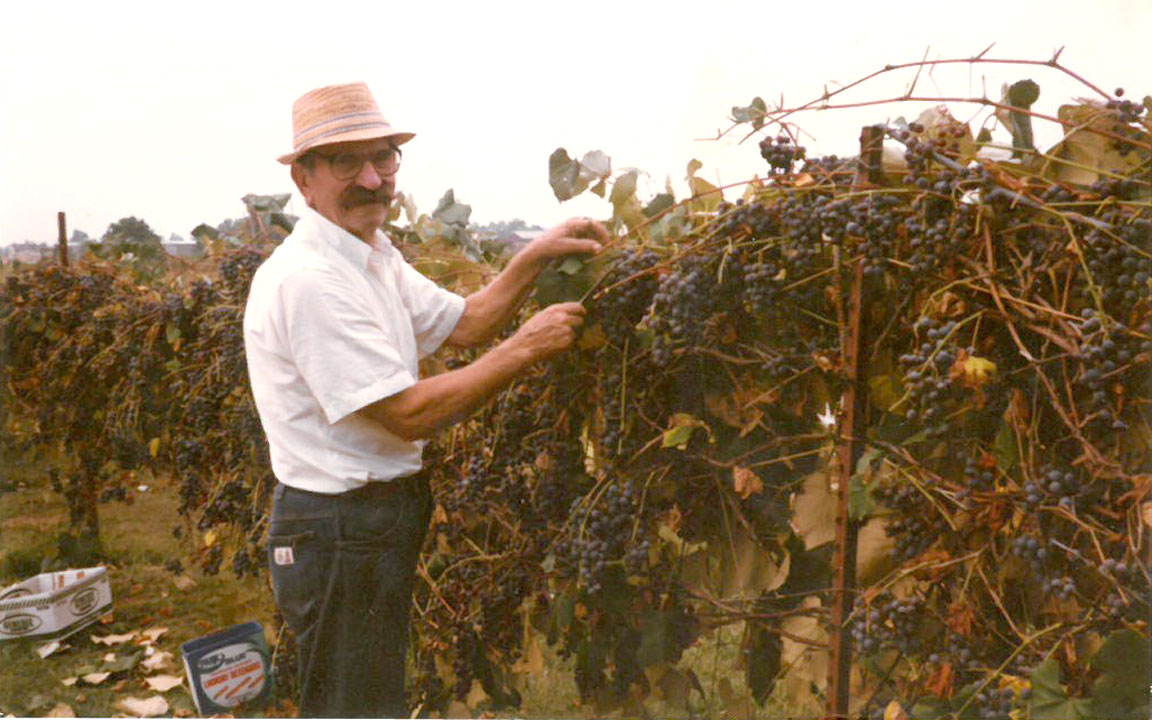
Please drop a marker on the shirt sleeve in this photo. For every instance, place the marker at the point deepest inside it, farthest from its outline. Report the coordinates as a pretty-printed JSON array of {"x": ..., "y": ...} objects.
[
  {"x": 434, "y": 310},
  {"x": 347, "y": 359}
]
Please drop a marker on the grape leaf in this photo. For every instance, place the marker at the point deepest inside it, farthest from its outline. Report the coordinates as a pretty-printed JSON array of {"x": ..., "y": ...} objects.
[
  {"x": 1121, "y": 690},
  {"x": 1049, "y": 700}
]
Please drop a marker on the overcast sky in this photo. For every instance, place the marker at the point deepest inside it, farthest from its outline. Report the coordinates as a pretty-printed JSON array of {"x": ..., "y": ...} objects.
[{"x": 172, "y": 112}]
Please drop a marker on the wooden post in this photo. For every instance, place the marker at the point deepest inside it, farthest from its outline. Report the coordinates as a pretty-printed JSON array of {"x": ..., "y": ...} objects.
[
  {"x": 62, "y": 226},
  {"x": 854, "y": 410}
]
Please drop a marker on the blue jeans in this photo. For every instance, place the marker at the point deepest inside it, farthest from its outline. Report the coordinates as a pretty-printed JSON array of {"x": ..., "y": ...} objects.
[{"x": 342, "y": 569}]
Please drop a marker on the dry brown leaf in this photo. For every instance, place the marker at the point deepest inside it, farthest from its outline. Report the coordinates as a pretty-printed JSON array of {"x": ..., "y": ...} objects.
[
  {"x": 113, "y": 639},
  {"x": 154, "y": 706},
  {"x": 163, "y": 683},
  {"x": 156, "y": 661},
  {"x": 69, "y": 682},
  {"x": 532, "y": 661},
  {"x": 895, "y": 711},
  {"x": 746, "y": 482},
  {"x": 1146, "y": 513},
  {"x": 95, "y": 678},
  {"x": 61, "y": 710},
  {"x": 184, "y": 583},
  {"x": 153, "y": 634},
  {"x": 109, "y": 657}
]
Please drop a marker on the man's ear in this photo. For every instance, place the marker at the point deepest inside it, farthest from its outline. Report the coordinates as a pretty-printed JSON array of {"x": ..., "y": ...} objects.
[{"x": 300, "y": 177}]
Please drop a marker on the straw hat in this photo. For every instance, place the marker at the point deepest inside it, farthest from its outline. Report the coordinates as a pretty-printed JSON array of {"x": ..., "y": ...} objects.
[{"x": 338, "y": 113}]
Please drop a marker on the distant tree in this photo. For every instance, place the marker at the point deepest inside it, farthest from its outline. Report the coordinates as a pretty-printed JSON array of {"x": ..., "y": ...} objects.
[{"x": 131, "y": 235}]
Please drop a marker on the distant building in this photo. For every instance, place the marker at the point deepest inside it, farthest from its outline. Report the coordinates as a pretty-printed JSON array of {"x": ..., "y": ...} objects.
[
  {"x": 26, "y": 252},
  {"x": 179, "y": 247}
]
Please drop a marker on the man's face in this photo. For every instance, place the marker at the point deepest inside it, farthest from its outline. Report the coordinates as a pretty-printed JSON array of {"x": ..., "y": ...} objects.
[{"x": 359, "y": 204}]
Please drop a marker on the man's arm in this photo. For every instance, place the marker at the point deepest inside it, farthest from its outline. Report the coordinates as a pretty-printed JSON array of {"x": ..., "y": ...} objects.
[
  {"x": 442, "y": 400},
  {"x": 487, "y": 311}
]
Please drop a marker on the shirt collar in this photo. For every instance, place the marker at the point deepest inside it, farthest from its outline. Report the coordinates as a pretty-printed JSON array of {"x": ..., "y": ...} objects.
[{"x": 323, "y": 232}]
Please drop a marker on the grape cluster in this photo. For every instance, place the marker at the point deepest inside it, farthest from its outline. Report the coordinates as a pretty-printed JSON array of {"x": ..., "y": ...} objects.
[
  {"x": 916, "y": 527},
  {"x": 781, "y": 154},
  {"x": 681, "y": 304},
  {"x": 1107, "y": 354},
  {"x": 1001, "y": 703},
  {"x": 885, "y": 622},
  {"x": 927, "y": 377},
  {"x": 603, "y": 537},
  {"x": 631, "y": 287}
]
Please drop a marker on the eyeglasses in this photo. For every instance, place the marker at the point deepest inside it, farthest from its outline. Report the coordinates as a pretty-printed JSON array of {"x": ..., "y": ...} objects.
[{"x": 347, "y": 165}]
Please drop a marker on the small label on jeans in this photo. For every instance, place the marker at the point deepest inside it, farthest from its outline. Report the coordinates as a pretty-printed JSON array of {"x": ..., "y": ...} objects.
[{"x": 283, "y": 555}]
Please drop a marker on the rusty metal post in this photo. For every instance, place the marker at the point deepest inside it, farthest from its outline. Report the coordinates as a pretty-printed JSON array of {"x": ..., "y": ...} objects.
[
  {"x": 849, "y": 447},
  {"x": 62, "y": 226}
]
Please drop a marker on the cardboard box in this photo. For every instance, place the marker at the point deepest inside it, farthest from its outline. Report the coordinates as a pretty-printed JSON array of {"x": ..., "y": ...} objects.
[
  {"x": 228, "y": 668},
  {"x": 54, "y": 605}
]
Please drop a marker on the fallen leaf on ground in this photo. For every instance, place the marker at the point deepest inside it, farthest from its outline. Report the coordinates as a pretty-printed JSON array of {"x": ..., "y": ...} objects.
[
  {"x": 153, "y": 634},
  {"x": 69, "y": 682},
  {"x": 144, "y": 707},
  {"x": 51, "y": 648},
  {"x": 109, "y": 657},
  {"x": 156, "y": 661},
  {"x": 61, "y": 710},
  {"x": 184, "y": 583},
  {"x": 113, "y": 639},
  {"x": 163, "y": 683},
  {"x": 95, "y": 678}
]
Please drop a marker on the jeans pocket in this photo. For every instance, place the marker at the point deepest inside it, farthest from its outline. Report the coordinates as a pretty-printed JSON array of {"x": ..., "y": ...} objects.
[{"x": 301, "y": 554}]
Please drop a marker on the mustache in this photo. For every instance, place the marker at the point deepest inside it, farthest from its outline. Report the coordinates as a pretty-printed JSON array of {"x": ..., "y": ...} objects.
[{"x": 356, "y": 196}]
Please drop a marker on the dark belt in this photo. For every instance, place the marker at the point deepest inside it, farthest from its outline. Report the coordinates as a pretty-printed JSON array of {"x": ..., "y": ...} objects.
[{"x": 373, "y": 489}]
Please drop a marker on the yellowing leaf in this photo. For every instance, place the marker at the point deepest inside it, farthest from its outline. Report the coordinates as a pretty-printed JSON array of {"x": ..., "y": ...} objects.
[
  {"x": 154, "y": 446},
  {"x": 746, "y": 482},
  {"x": 593, "y": 338},
  {"x": 532, "y": 661},
  {"x": 210, "y": 538},
  {"x": 978, "y": 370},
  {"x": 681, "y": 427},
  {"x": 895, "y": 712}
]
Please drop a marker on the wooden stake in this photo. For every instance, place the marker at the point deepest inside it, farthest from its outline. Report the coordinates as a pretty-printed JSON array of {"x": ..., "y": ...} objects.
[{"x": 62, "y": 226}]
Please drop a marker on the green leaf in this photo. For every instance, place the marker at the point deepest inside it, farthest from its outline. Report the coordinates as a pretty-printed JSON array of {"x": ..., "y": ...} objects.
[
  {"x": 1049, "y": 700},
  {"x": 450, "y": 212},
  {"x": 595, "y": 165},
  {"x": 1121, "y": 690},
  {"x": 753, "y": 112},
  {"x": 1004, "y": 447},
  {"x": 624, "y": 188},
  {"x": 683, "y": 426},
  {"x": 564, "y": 175},
  {"x": 860, "y": 500},
  {"x": 885, "y": 390},
  {"x": 172, "y": 333},
  {"x": 659, "y": 204}
]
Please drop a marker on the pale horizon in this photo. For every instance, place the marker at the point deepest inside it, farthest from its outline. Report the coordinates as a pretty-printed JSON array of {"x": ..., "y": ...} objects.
[{"x": 172, "y": 114}]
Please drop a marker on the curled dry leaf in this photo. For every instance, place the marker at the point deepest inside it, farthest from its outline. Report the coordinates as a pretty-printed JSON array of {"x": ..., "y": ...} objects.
[
  {"x": 746, "y": 482},
  {"x": 113, "y": 639},
  {"x": 144, "y": 707}
]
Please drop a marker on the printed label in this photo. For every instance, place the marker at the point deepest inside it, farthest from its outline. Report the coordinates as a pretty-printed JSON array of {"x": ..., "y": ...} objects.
[
  {"x": 232, "y": 674},
  {"x": 283, "y": 555},
  {"x": 20, "y": 624},
  {"x": 83, "y": 602}
]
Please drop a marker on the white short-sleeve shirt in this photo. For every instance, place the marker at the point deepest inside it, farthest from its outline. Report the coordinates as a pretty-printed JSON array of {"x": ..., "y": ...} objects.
[{"x": 332, "y": 325}]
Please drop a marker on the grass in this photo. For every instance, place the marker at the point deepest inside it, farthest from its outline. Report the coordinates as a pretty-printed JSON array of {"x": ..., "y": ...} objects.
[{"x": 137, "y": 541}]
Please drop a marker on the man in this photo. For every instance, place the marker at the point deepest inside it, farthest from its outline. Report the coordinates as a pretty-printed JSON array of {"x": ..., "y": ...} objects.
[{"x": 335, "y": 324}]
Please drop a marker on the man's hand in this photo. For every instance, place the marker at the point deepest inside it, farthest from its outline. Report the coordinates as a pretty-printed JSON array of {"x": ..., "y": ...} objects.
[
  {"x": 550, "y": 331},
  {"x": 573, "y": 236}
]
